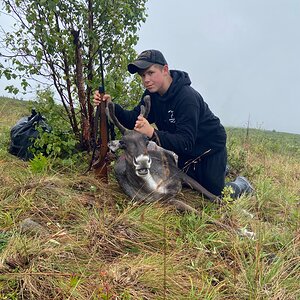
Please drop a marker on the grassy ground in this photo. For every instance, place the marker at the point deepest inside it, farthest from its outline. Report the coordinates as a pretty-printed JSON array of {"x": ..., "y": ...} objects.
[{"x": 94, "y": 243}]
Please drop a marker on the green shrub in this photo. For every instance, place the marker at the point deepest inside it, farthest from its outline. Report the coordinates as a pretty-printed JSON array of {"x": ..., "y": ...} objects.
[{"x": 60, "y": 142}]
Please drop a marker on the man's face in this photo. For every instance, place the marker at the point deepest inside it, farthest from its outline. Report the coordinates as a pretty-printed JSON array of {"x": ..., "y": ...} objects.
[{"x": 154, "y": 78}]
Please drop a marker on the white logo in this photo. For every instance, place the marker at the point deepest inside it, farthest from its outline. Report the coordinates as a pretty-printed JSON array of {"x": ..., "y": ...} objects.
[{"x": 171, "y": 116}]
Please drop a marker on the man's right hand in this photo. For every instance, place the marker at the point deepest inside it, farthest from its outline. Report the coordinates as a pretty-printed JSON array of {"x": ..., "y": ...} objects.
[{"x": 98, "y": 98}]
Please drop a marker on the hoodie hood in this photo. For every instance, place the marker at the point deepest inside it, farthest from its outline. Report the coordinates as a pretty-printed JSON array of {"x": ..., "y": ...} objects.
[{"x": 180, "y": 78}]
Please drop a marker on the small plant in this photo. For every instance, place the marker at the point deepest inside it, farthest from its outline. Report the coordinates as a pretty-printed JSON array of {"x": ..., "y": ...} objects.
[
  {"x": 6, "y": 219},
  {"x": 227, "y": 194},
  {"x": 39, "y": 164},
  {"x": 125, "y": 296}
]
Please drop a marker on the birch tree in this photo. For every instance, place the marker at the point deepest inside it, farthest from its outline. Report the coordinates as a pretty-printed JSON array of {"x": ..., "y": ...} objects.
[{"x": 59, "y": 41}]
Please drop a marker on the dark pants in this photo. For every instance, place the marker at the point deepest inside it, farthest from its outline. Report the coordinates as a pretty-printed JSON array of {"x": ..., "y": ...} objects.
[{"x": 209, "y": 171}]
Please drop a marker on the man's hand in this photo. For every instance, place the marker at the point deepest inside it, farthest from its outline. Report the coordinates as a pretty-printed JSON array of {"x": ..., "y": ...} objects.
[
  {"x": 143, "y": 126},
  {"x": 98, "y": 98}
]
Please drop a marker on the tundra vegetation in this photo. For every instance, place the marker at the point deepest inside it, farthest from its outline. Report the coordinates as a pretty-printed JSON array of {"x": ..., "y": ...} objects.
[{"x": 64, "y": 235}]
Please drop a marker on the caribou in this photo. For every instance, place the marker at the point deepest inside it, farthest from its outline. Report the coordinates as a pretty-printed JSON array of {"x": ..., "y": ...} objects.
[{"x": 147, "y": 172}]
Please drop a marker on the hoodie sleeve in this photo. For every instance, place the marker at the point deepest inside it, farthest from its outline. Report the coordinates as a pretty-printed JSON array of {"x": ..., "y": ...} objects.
[{"x": 182, "y": 140}]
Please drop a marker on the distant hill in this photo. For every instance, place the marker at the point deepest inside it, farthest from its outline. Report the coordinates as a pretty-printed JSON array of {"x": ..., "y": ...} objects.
[{"x": 12, "y": 109}]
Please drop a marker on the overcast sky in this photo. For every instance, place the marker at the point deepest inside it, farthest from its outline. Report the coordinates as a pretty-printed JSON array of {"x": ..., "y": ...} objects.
[{"x": 243, "y": 56}]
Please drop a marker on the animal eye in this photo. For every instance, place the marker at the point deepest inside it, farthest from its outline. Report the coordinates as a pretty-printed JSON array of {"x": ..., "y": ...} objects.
[{"x": 122, "y": 144}]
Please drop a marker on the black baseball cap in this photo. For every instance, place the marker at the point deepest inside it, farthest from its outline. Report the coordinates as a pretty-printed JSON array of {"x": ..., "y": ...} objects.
[{"x": 146, "y": 59}]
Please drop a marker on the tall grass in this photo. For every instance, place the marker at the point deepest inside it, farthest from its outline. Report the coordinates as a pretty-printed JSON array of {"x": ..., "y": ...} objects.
[{"x": 97, "y": 244}]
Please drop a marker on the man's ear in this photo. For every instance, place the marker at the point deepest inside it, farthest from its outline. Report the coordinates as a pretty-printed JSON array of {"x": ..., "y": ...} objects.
[{"x": 166, "y": 69}]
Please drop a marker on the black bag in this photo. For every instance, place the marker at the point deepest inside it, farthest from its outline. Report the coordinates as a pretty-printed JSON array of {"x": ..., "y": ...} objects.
[{"x": 24, "y": 133}]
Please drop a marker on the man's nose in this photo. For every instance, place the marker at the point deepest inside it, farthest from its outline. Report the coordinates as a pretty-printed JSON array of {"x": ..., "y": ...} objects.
[{"x": 146, "y": 78}]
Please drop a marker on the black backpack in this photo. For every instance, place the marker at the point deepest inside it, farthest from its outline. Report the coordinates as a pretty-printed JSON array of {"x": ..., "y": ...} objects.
[{"x": 24, "y": 133}]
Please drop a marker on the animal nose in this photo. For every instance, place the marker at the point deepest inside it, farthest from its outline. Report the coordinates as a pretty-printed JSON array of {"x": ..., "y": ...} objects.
[
  {"x": 142, "y": 164},
  {"x": 142, "y": 161}
]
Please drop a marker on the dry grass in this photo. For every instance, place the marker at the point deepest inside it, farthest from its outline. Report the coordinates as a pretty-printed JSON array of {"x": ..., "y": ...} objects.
[{"x": 96, "y": 244}]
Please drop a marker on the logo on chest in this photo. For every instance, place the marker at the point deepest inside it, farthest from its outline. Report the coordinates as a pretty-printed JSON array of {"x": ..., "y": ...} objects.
[{"x": 171, "y": 116}]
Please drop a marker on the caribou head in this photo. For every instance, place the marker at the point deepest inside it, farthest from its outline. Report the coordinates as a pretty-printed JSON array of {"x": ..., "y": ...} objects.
[{"x": 134, "y": 143}]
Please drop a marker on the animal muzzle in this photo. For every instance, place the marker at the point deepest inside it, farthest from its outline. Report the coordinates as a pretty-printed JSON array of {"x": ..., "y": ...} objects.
[{"x": 142, "y": 164}]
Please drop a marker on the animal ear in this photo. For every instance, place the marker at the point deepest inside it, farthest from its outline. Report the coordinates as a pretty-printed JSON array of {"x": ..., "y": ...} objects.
[
  {"x": 112, "y": 116},
  {"x": 146, "y": 109}
]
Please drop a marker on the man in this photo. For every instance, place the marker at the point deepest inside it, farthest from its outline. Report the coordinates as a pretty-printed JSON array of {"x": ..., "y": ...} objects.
[{"x": 185, "y": 124}]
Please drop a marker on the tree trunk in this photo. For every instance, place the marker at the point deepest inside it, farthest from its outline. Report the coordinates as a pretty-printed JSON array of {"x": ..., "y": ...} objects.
[
  {"x": 85, "y": 124},
  {"x": 90, "y": 70}
]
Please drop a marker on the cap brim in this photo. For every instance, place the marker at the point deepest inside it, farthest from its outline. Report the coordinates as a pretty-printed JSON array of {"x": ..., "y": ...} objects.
[{"x": 138, "y": 65}]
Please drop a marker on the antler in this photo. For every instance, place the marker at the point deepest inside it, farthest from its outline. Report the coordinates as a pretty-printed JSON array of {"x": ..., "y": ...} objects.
[
  {"x": 111, "y": 111},
  {"x": 146, "y": 109}
]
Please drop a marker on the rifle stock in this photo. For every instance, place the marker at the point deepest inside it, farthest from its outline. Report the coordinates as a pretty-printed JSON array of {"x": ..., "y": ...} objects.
[{"x": 101, "y": 165}]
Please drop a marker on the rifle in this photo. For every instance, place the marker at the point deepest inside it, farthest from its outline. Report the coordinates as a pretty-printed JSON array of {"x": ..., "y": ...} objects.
[{"x": 100, "y": 165}]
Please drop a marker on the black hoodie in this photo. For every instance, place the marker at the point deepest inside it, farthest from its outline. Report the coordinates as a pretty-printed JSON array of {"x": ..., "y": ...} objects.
[{"x": 184, "y": 121}]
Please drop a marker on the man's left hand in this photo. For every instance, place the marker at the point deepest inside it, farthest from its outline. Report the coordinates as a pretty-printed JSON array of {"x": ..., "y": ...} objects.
[{"x": 143, "y": 126}]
